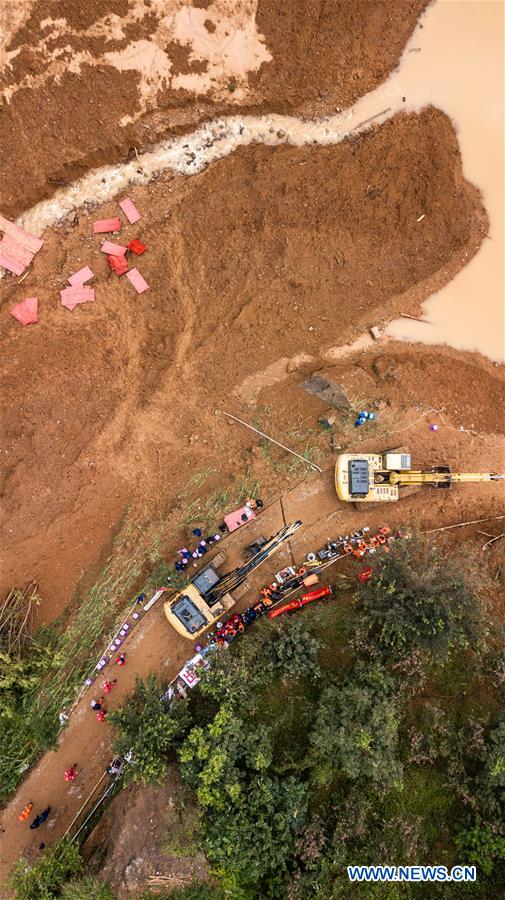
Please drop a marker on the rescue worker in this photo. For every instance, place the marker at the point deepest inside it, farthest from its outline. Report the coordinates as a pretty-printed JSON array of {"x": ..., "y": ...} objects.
[
  {"x": 101, "y": 716},
  {"x": 23, "y": 815},
  {"x": 121, "y": 660},
  {"x": 108, "y": 685},
  {"x": 71, "y": 773},
  {"x": 38, "y": 820}
]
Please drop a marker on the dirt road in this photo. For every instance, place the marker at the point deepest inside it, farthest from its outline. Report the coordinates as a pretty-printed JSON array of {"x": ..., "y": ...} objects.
[{"x": 155, "y": 646}]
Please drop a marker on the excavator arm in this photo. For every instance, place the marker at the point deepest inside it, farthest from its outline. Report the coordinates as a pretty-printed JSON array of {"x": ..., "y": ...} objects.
[{"x": 440, "y": 478}]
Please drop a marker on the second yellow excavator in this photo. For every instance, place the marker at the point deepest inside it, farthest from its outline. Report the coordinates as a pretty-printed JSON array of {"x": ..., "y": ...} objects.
[{"x": 378, "y": 477}]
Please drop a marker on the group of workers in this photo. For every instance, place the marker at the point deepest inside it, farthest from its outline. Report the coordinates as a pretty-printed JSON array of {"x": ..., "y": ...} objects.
[
  {"x": 187, "y": 556},
  {"x": 270, "y": 594}
]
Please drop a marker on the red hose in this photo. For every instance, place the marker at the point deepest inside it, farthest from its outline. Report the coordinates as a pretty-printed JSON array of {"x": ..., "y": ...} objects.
[{"x": 295, "y": 604}]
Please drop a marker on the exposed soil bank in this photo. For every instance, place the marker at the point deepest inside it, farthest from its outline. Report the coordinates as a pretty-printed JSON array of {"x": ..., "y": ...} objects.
[
  {"x": 263, "y": 254},
  {"x": 67, "y": 76}
]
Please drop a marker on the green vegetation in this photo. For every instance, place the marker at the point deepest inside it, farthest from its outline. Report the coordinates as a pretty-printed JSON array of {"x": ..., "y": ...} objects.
[
  {"x": 195, "y": 891},
  {"x": 364, "y": 730},
  {"x": 145, "y": 728},
  {"x": 46, "y": 878},
  {"x": 41, "y": 674}
]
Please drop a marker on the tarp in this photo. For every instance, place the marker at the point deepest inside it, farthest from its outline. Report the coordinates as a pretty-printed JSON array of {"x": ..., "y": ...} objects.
[
  {"x": 191, "y": 672},
  {"x": 118, "y": 264},
  {"x": 79, "y": 293},
  {"x": 27, "y": 240},
  {"x": 81, "y": 276},
  {"x": 17, "y": 247},
  {"x": 108, "y": 225},
  {"x": 112, "y": 249},
  {"x": 130, "y": 210},
  {"x": 135, "y": 278},
  {"x": 26, "y": 311},
  {"x": 13, "y": 264}
]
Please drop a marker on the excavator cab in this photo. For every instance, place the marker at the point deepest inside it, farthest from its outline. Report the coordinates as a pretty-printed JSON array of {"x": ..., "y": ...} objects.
[
  {"x": 378, "y": 477},
  {"x": 209, "y": 596}
]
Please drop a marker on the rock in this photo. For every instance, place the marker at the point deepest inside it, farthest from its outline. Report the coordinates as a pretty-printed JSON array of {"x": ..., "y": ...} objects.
[{"x": 375, "y": 332}]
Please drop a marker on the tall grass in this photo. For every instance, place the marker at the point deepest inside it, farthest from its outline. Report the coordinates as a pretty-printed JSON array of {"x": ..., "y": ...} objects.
[{"x": 31, "y": 725}]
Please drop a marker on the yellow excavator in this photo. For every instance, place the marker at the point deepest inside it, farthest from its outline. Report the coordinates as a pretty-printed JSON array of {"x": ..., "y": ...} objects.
[{"x": 378, "y": 477}]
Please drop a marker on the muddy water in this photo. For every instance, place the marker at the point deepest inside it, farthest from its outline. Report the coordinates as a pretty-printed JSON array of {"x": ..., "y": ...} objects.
[
  {"x": 460, "y": 69},
  {"x": 454, "y": 61}
]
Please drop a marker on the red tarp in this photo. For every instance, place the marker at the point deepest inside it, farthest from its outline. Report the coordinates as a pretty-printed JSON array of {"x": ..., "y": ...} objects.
[
  {"x": 112, "y": 249},
  {"x": 137, "y": 247},
  {"x": 107, "y": 225},
  {"x": 26, "y": 311},
  {"x": 118, "y": 264},
  {"x": 135, "y": 278},
  {"x": 79, "y": 293},
  {"x": 130, "y": 210},
  {"x": 81, "y": 276}
]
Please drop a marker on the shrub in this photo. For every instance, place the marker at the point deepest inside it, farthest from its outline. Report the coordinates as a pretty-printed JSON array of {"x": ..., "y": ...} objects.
[
  {"x": 418, "y": 599},
  {"x": 482, "y": 845},
  {"x": 45, "y": 878},
  {"x": 149, "y": 729},
  {"x": 87, "y": 888}
]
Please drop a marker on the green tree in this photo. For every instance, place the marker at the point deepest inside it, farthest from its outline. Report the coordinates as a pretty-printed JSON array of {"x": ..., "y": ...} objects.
[
  {"x": 149, "y": 729},
  {"x": 418, "y": 599},
  {"x": 294, "y": 651},
  {"x": 355, "y": 733},
  {"x": 482, "y": 844},
  {"x": 45, "y": 878}
]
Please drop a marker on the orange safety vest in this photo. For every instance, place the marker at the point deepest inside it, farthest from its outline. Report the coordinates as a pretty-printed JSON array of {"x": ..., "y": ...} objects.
[{"x": 26, "y": 812}]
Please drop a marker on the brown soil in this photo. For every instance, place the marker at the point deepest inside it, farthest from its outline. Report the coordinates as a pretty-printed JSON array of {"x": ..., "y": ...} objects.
[
  {"x": 154, "y": 646},
  {"x": 270, "y": 254},
  {"x": 304, "y": 257},
  {"x": 147, "y": 832},
  {"x": 327, "y": 54}
]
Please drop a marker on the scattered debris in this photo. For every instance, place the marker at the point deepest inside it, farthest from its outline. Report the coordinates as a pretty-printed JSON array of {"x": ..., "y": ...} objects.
[
  {"x": 137, "y": 247},
  {"x": 375, "y": 332},
  {"x": 78, "y": 293},
  {"x": 463, "y": 524},
  {"x": 113, "y": 249},
  {"x": 434, "y": 426},
  {"x": 130, "y": 210},
  {"x": 431, "y": 410},
  {"x": 26, "y": 312},
  {"x": 107, "y": 225},
  {"x": 493, "y": 539},
  {"x": 81, "y": 276},
  {"x": 327, "y": 421},
  {"x": 17, "y": 247},
  {"x": 135, "y": 278},
  {"x": 415, "y": 318},
  {"x": 421, "y": 217}
]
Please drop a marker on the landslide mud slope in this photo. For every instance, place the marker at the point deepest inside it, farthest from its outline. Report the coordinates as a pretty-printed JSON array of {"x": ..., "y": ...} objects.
[
  {"x": 265, "y": 253},
  {"x": 85, "y": 83}
]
